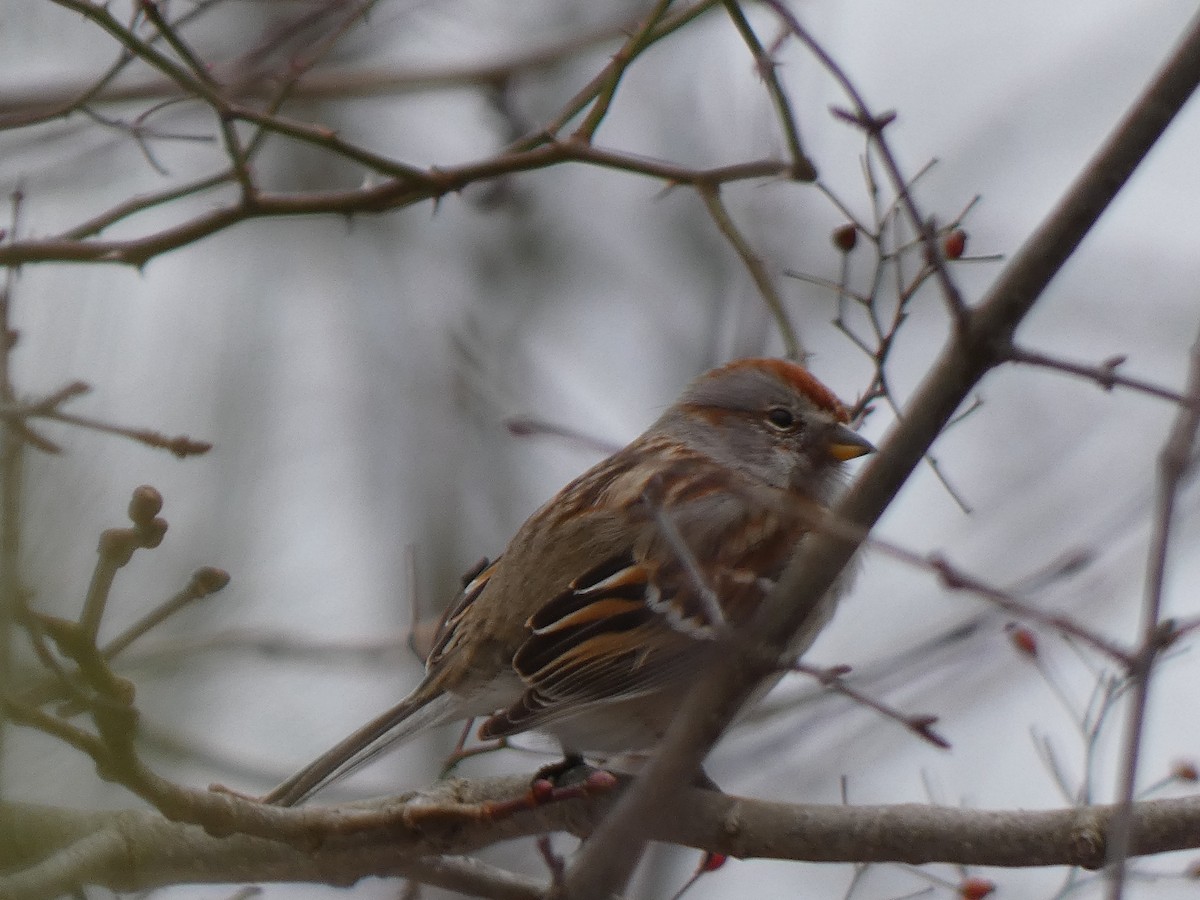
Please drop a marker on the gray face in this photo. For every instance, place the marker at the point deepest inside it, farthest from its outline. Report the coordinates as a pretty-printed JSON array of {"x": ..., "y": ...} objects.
[{"x": 750, "y": 421}]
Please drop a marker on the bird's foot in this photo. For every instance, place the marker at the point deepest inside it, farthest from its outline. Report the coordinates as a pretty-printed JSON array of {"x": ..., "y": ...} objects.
[
  {"x": 556, "y": 772},
  {"x": 568, "y": 779}
]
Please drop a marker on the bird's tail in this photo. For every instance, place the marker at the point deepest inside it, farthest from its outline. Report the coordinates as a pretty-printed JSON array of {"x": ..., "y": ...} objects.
[{"x": 418, "y": 710}]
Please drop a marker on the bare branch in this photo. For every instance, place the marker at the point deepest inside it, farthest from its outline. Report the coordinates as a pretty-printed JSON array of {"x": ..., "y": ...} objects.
[
  {"x": 392, "y": 194},
  {"x": 802, "y": 167},
  {"x": 1174, "y": 462},
  {"x": 711, "y": 196},
  {"x": 1105, "y": 374},
  {"x": 873, "y": 126},
  {"x": 639, "y": 39},
  {"x": 21, "y": 108},
  {"x": 834, "y": 679},
  {"x": 421, "y": 835},
  {"x": 12, "y": 446}
]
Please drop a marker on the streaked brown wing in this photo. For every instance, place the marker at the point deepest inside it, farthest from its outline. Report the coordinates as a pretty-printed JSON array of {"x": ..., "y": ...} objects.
[
  {"x": 596, "y": 642},
  {"x": 637, "y": 621}
]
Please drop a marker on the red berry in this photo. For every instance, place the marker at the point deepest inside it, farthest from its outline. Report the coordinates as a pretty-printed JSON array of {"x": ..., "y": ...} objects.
[
  {"x": 1024, "y": 640},
  {"x": 845, "y": 237},
  {"x": 954, "y": 244},
  {"x": 1185, "y": 770},
  {"x": 976, "y": 888}
]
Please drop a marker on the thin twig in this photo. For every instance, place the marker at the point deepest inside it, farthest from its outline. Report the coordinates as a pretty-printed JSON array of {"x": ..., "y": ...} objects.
[
  {"x": 1174, "y": 462},
  {"x": 638, "y": 41},
  {"x": 203, "y": 582},
  {"x": 958, "y": 580},
  {"x": 550, "y": 131},
  {"x": 50, "y": 100},
  {"x": 711, "y": 196},
  {"x": 873, "y": 126},
  {"x": 135, "y": 205},
  {"x": 190, "y": 84},
  {"x": 47, "y": 103},
  {"x": 298, "y": 69},
  {"x": 12, "y": 440},
  {"x": 1105, "y": 374},
  {"x": 834, "y": 680},
  {"x": 391, "y": 194},
  {"x": 116, "y": 548},
  {"x": 527, "y": 426},
  {"x": 326, "y": 138},
  {"x": 802, "y": 167}
]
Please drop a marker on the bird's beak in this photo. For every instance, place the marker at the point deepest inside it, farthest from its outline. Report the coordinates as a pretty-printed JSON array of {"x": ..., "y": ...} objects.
[{"x": 844, "y": 444}]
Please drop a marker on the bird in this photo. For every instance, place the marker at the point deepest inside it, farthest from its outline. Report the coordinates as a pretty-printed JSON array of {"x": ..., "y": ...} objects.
[{"x": 607, "y": 602}]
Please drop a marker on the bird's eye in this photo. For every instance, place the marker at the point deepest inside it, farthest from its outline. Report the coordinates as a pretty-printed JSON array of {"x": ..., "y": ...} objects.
[{"x": 781, "y": 418}]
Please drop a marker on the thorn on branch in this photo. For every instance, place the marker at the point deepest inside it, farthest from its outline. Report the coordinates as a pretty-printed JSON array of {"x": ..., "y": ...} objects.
[
  {"x": 1165, "y": 635},
  {"x": 872, "y": 125},
  {"x": 1105, "y": 374},
  {"x": 949, "y": 575},
  {"x": 1108, "y": 371},
  {"x": 975, "y": 405}
]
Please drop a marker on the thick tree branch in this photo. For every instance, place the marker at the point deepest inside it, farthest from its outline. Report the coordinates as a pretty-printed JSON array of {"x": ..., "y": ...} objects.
[{"x": 139, "y": 850}]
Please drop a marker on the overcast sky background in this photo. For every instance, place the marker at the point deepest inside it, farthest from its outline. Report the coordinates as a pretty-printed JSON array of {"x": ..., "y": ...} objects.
[{"x": 355, "y": 379}]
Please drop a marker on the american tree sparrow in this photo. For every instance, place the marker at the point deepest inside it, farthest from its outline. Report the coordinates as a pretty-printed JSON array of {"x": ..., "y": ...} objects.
[{"x": 612, "y": 596}]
